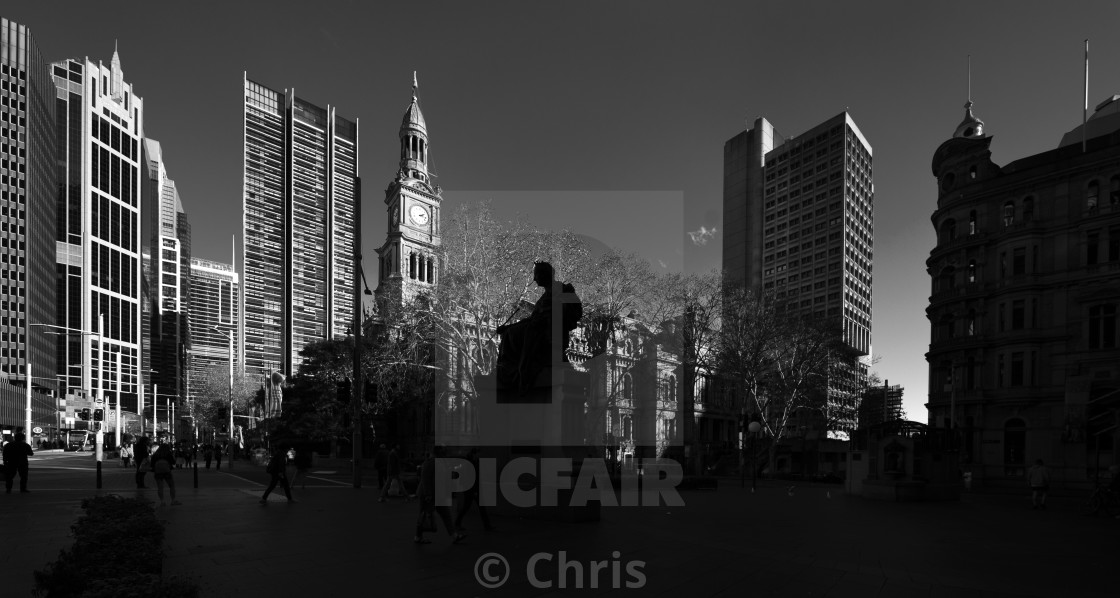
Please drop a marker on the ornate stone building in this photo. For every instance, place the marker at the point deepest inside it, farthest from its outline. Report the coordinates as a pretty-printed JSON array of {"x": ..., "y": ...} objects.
[{"x": 1023, "y": 356}]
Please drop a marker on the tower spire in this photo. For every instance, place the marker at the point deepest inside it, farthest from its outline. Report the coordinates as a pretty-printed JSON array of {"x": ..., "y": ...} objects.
[
  {"x": 971, "y": 127},
  {"x": 414, "y": 85},
  {"x": 970, "y": 78}
]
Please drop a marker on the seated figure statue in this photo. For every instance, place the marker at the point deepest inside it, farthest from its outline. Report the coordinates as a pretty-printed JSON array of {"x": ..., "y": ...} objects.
[{"x": 528, "y": 346}]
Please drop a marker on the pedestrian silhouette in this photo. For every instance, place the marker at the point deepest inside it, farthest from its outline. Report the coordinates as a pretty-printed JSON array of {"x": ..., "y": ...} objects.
[
  {"x": 394, "y": 467},
  {"x": 471, "y": 496},
  {"x": 143, "y": 459},
  {"x": 1038, "y": 478},
  {"x": 15, "y": 454},
  {"x": 278, "y": 474},
  {"x": 425, "y": 521},
  {"x": 163, "y": 461}
]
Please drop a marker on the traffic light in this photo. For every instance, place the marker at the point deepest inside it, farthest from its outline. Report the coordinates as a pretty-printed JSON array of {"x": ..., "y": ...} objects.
[
  {"x": 98, "y": 415},
  {"x": 84, "y": 415}
]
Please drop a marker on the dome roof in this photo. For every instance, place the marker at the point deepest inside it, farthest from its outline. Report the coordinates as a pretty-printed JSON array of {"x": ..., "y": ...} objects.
[
  {"x": 971, "y": 127},
  {"x": 414, "y": 119}
]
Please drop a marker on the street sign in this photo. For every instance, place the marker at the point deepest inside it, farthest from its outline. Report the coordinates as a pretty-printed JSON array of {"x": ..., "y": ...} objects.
[{"x": 36, "y": 430}]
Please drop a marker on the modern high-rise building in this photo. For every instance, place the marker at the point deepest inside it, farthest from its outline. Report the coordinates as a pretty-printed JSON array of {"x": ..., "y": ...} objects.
[
  {"x": 214, "y": 293},
  {"x": 1024, "y": 354},
  {"x": 165, "y": 251},
  {"x": 300, "y": 171},
  {"x": 27, "y": 217},
  {"x": 100, "y": 125},
  {"x": 798, "y": 224}
]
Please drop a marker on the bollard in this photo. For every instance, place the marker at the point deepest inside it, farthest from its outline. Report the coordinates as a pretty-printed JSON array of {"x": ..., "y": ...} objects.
[
  {"x": 196, "y": 474},
  {"x": 99, "y": 475}
]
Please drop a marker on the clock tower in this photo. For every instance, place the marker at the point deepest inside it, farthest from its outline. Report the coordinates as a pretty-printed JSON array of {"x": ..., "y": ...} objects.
[{"x": 407, "y": 262}]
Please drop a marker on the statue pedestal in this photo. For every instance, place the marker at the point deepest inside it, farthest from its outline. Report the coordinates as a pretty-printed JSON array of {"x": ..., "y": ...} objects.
[{"x": 547, "y": 422}]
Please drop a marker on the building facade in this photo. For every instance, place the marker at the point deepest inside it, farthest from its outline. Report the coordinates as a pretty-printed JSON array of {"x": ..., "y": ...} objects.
[
  {"x": 165, "y": 287},
  {"x": 214, "y": 292},
  {"x": 799, "y": 226},
  {"x": 27, "y": 217},
  {"x": 299, "y": 194},
  {"x": 100, "y": 125},
  {"x": 1023, "y": 359}
]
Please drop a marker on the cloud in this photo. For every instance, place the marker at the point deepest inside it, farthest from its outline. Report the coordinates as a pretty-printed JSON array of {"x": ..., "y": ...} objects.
[{"x": 702, "y": 236}]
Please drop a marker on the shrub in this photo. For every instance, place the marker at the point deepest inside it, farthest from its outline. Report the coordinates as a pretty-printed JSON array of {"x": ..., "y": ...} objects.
[{"x": 117, "y": 552}]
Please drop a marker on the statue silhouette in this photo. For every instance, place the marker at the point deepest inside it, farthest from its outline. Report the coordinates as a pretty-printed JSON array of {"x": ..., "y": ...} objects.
[{"x": 528, "y": 346}]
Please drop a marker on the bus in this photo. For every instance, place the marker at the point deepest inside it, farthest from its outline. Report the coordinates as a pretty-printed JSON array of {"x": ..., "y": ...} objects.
[{"x": 79, "y": 440}]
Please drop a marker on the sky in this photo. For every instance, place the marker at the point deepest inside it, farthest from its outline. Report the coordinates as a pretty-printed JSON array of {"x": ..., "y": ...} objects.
[{"x": 620, "y": 109}]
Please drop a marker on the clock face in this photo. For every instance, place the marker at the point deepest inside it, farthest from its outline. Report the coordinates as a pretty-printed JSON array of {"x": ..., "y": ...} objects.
[{"x": 418, "y": 214}]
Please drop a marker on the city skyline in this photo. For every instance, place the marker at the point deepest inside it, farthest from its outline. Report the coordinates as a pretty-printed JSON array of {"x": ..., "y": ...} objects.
[{"x": 636, "y": 99}]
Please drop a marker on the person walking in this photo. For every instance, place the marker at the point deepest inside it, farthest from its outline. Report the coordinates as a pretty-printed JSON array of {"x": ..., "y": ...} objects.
[
  {"x": 126, "y": 455},
  {"x": 218, "y": 455},
  {"x": 15, "y": 455},
  {"x": 471, "y": 496},
  {"x": 162, "y": 463},
  {"x": 143, "y": 459},
  {"x": 207, "y": 454},
  {"x": 1038, "y": 478},
  {"x": 381, "y": 464},
  {"x": 425, "y": 521},
  {"x": 394, "y": 466},
  {"x": 277, "y": 470}
]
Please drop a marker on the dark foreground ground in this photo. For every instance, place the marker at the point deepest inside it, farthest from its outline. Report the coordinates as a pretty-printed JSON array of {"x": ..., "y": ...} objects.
[{"x": 730, "y": 542}]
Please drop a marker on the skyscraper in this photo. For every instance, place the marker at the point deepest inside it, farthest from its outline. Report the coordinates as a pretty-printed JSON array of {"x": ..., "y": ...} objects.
[
  {"x": 100, "y": 125},
  {"x": 214, "y": 292},
  {"x": 301, "y": 162},
  {"x": 798, "y": 222},
  {"x": 165, "y": 250},
  {"x": 27, "y": 210}
]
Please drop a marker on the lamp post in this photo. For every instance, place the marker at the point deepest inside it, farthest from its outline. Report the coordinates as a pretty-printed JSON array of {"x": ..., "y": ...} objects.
[{"x": 753, "y": 429}]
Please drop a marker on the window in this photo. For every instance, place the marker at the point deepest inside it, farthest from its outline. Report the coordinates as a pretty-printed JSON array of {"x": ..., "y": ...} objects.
[
  {"x": 972, "y": 222},
  {"x": 1114, "y": 244},
  {"x": 948, "y": 230},
  {"x": 1102, "y": 327},
  {"x": 972, "y": 171},
  {"x": 1028, "y": 209},
  {"x": 1092, "y": 247},
  {"x": 1017, "y": 368},
  {"x": 1019, "y": 261},
  {"x": 1114, "y": 190},
  {"x": 971, "y": 271},
  {"x": 999, "y": 371},
  {"x": 1091, "y": 195},
  {"x": 970, "y": 326},
  {"x": 1009, "y": 213},
  {"x": 1018, "y": 314},
  {"x": 1002, "y": 322}
]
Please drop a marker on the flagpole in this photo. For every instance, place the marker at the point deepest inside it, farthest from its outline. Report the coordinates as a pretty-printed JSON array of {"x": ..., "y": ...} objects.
[{"x": 1085, "y": 109}]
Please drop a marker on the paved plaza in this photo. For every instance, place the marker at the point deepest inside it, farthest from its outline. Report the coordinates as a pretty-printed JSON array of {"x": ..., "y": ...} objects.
[{"x": 813, "y": 541}]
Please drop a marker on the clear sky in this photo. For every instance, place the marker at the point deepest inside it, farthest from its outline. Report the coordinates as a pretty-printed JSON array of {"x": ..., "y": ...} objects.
[{"x": 530, "y": 100}]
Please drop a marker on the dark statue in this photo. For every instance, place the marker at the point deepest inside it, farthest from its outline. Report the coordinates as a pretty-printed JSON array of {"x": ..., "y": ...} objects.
[{"x": 530, "y": 345}]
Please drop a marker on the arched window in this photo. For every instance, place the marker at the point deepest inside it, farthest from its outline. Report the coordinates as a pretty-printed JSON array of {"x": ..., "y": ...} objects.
[
  {"x": 947, "y": 181},
  {"x": 948, "y": 279},
  {"x": 971, "y": 271},
  {"x": 1028, "y": 209},
  {"x": 948, "y": 230},
  {"x": 1091, "y": 195},
  {"x": 627, "y": 387},
  {"x": 1102, "y": 327},
  {"x": 1009, "y": 213},
  {"x": 972, "y": 222},
  {"x": 412, "y": 265},
  {"x": 972, "y": 172},
  {"x": 1114, "y": 190},
  {"x": 431, "y": 270},
  {"x": 947, "y": 330},
  {"x": 970, "y": 324},
  {"x": 671, "y": 389}
]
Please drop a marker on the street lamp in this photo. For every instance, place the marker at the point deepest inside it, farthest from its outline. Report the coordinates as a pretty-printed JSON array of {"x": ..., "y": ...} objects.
[
  {"x": 753, "y": 429},
  {"x": 229, "y": 338}
]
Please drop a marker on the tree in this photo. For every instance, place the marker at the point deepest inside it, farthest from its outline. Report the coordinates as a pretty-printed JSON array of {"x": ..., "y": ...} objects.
[
  {"x": 485, "y": 282},
  {"x": 211, "y": 405}
]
